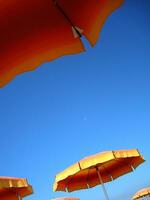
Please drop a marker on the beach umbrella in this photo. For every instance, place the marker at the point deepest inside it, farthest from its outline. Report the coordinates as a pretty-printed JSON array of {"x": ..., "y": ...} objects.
[
  {"x": 37, "y": 31},
  {"x": 14, "y": 188},
  {"x": 66, "y": 198},
  {"x": 97, "y": 169},
  {"x": 142, "y": 193}
]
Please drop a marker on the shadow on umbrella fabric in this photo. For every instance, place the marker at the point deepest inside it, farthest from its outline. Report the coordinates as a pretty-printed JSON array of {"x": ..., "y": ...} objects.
[{"x": 34, "y": 32}]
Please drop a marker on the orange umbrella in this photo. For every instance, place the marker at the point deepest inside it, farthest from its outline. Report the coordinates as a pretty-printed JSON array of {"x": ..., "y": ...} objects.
[
  {"x": 36, "y": 31},
  {"x": 14, "y": 188},
  {"x": 66, "y": 198},
  {"x": 142, "y": 193},
  {"x": 97, "y": 169}
]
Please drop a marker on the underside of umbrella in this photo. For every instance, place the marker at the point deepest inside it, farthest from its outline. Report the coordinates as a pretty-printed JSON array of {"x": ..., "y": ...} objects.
[
  {"x": 14, "y": 188},
  {"x": 97, "y": 170},
  {"x": 37, "y": 31}
]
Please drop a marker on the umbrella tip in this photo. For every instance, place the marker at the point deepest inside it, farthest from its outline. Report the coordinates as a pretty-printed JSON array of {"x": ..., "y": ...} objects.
[{"x": 77, "y": 32}]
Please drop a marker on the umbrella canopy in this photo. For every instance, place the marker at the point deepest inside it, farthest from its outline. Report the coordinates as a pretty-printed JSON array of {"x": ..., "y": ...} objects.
[
  {"x": 142, "y": 193},
  {"x": 33, "y": 32},
  {"x": 13, "y": 188},
  {"x": 66, "y": 198},
  {"x": 97, "y": 169}
]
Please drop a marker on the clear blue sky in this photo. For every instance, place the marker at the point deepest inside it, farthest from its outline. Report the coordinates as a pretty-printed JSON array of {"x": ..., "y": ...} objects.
[{"x": 80, "y": 105}]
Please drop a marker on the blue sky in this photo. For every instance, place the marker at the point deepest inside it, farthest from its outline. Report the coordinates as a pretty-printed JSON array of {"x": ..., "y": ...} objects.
[{"x": 79, "y": 105}]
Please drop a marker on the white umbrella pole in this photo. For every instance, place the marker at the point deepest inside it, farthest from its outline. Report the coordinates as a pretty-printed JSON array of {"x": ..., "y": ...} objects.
[{"x": 103, "y": 187}]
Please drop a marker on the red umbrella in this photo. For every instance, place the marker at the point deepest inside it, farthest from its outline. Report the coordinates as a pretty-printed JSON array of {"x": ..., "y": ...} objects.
[{"x": 36, "y": 31}]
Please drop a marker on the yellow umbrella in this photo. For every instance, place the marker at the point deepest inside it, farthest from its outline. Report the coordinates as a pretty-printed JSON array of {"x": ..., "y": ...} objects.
[
  {"x": 97, "y": 169},
  {"x": 142, "y": 193},
  {"x": 14, "y": 188}
]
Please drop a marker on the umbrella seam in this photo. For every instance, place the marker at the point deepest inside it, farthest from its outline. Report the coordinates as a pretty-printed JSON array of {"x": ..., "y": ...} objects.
[{"x": 66, "y": 17}]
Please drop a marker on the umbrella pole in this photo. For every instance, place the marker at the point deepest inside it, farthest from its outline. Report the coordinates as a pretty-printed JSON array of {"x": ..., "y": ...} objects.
[{"x": 103, "y": 187}]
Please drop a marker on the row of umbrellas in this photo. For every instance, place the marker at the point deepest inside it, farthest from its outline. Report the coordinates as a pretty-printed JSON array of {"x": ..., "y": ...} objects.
[{"x": 84, "y": 174}]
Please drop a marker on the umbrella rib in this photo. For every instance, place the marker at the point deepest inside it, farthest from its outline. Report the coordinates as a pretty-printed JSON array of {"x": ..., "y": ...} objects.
[
  {"x": 66, "y": 186},
  {"x": 87, "y": 179},
  {"x": 79, "y": 165},
  {"x": 87, "y": 175},
  {"x": 123, "y": 161},
  {"x": 67, "y": 183},
  {"x": 18, "y": 195},
  {"x": 67, "y": 18},
  {"x": 107, "y": 171}
]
